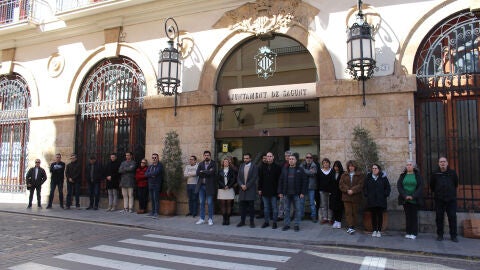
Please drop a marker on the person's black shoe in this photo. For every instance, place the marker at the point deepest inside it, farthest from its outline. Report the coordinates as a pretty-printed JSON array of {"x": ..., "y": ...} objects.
[
  {"x": 39, "y": 206},
  {"x": 454, "y": 239},
  {"x": 440, "y": 238},
  {"x": 241, "y": 224},
  {"x": 252, "y": 225},
  {"x": 49, "y": 207},
  {"x": 61, "y": 206},
  {"x": 88, "y": 208},
  {"x": 95, "y": 208},
  {"x": 188, "y": 214},
  {"x": 265, "y": 225},
  {"x": 274, "y": 225},
  {"x": 29, "y": 207},
  {"x": 286, "y": 228},
  {"x": 296, "y": 228}
]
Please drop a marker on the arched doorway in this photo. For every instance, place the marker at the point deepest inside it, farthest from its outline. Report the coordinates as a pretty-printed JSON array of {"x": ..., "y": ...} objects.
[
  {"x": 447, "y": 103},
  {"x": 111, "y": 118},
  {"x": 14, "y": 131},
  {"x": 257, "y": 114}
]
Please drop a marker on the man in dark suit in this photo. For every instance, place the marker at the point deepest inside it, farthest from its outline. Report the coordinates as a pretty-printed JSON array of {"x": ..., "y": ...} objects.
[
  {"x": 36, "y": 176},
  {"x": 247, "y": 180},
  {"x": 206, "y": 186},
  {"x": 94, "y": 175}
]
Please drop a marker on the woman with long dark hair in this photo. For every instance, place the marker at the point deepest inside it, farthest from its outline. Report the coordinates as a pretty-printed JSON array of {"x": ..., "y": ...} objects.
[{"x": 335, "y": 200}]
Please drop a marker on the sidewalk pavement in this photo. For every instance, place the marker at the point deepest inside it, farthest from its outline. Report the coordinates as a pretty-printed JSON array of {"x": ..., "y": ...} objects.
[{"x": 310, "y": 233}]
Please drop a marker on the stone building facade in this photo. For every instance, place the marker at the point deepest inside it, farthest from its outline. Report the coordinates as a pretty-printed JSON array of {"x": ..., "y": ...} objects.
[{"x": 87, "y": 74}]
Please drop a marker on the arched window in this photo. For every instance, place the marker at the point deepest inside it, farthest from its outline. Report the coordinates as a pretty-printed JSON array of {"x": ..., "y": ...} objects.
[
  {"x": 447, "y": 103},
  {"x": 110, "y": 112},
  {"x": 14, "y": 127}
]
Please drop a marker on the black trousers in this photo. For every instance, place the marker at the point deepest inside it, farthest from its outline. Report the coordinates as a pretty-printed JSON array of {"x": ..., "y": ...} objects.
[
  {"x": 30, "y": 197},
  {"x": 377, "y": 218},
  {"x": 451, "y": 208},
  {"x": 247, "y": 206},
  {"x": 53, "y": 185},
  {"x": 411, "y": 218}
]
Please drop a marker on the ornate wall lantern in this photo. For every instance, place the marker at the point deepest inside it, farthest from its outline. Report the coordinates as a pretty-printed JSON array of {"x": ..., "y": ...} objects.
[
  {"x": 360, "y": 50},
  {"x": 169, "y": 63}
]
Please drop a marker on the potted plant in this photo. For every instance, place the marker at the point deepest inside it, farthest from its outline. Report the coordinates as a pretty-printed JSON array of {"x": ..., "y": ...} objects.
[
  {"x": 173, "y": 166},
  {"x": 365, "y": 152}
]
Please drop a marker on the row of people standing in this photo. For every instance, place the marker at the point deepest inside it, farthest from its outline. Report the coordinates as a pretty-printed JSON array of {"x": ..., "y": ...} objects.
[{"x": 116, "y": 174}]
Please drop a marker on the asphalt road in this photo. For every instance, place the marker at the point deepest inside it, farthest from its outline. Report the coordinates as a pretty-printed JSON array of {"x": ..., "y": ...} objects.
[{"x": 31, "y": 242}]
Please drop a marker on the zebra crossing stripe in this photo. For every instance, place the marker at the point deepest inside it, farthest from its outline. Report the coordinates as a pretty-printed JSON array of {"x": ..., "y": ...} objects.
[
  {"x": 178, "y": 259},
  {"x": 212, "y": 251},
  {"x": 102, "y": 262},
  {"x": 228, "y": 244},
  {"x": 373, "y": 263},
  {"x": 36, "y": 266}
]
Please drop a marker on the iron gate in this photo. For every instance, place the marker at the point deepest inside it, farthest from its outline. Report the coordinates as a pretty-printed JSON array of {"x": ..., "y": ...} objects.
[
  {"x": 447, "y": 104},
  {"x": 111, "y": 118},
  {"x": 14, "y": 131}
]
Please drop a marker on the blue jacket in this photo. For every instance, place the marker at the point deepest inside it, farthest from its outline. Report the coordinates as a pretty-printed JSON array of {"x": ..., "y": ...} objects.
[
  {"x": 301, "y": 181},
  {"x": 155, "y": 175}
]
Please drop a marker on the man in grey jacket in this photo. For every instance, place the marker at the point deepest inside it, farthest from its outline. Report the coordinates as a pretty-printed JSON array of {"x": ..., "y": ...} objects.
[{"x": 127, "y": 181}]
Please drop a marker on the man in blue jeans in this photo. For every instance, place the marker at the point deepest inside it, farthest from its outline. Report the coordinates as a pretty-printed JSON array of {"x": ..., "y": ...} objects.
[
  {"x": 190, "y": 173},
  {"x": 155, "y": 178},
  {"x": 268, "y": 176},
  {"x": 310, "y": 169},
  {"x": 292, "y": 186},
  {"x": 206, "y": 186}
]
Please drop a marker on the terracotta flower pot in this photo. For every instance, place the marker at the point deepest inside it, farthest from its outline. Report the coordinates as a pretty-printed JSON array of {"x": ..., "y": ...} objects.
[{"x": 168, "y": 207}]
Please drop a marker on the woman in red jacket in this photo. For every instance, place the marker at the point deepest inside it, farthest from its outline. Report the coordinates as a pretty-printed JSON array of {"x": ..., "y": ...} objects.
[{"x": 142, "y": 186}]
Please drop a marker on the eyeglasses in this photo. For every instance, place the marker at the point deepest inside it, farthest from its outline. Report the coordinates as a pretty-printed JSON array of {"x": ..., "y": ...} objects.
[{"x": 37, "y": 161}]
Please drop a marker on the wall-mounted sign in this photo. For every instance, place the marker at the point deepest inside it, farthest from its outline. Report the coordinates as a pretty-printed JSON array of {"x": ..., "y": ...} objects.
[
  {"x": 302, "y": 91},
  {"x": 225, "y": 148}
]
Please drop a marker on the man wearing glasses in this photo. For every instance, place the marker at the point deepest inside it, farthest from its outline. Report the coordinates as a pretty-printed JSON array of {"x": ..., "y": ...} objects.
[
  {"x": 311, "y": 170},
  {"x": 155, "y": 178},
  {"x": 36, "y": 176}
]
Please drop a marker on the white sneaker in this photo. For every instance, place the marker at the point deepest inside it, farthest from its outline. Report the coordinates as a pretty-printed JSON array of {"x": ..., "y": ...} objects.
[
  {"x": 413, "y": 237},
  {"x": 339, "y": 225},
  {"x": 210, "y": 222},
  {"x": 200, "y": 221},
  {"x": 374, "y": 234},
  {"x": 379, "y": 234}
]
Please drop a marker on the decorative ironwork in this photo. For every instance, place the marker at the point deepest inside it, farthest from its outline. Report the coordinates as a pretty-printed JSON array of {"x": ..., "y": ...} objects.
[
  {"x": 448, "y": 104},
  {"x": 14, "y": 129},
  {"x": 111, "y": 116},
  {"x": 266, "y": 62}
]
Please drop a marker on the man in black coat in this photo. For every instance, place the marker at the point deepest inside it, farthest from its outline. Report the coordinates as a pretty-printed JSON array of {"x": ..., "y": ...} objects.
[
  {"x": 112, "y": 177},
  {"x": 73, "y": 173},
  {"x": 57, "y": 172},
  {"x": 268, "y": 176},
  {"x": 444, "y": 183},
  {"x": 206, "y": 186},
  {"x": 94, "y": 175},
  {"x": 36, "y": 176}
]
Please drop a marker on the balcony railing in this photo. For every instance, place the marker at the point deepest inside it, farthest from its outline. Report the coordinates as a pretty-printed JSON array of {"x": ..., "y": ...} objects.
[
  {"x": 17, "y": 11},
  {"x": 66, "y": 5}
]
